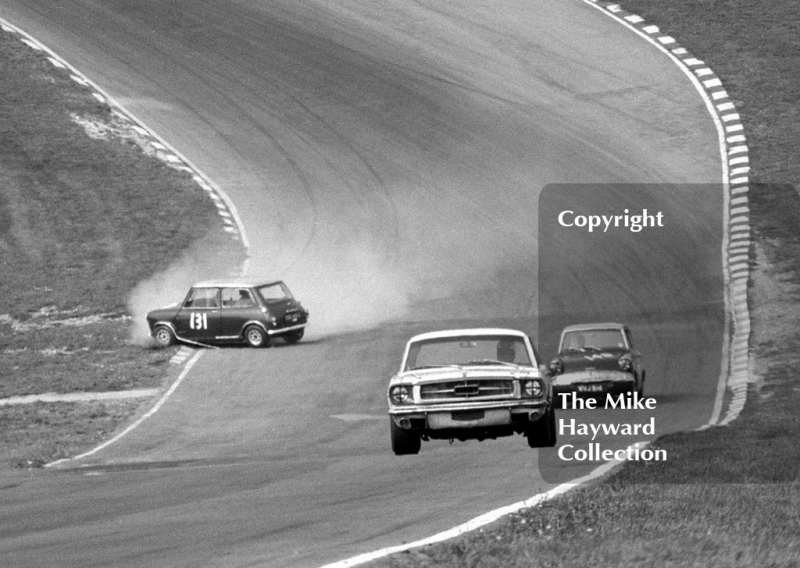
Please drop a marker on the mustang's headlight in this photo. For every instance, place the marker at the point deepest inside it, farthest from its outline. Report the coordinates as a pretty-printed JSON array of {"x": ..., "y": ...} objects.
[
  {"x": 556, "y": 366},
  {"x": 532, "y": 388},
  {"x": 625, "y": 363},
  {"x": 400, "y": 394}
]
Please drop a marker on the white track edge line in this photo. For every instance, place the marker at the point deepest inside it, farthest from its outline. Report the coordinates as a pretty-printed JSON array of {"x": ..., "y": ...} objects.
[
  {"x": 60, "y": 62},
  {"x": 141, "y": 419},
  {"x": 484, "y": 519},
  {"x": 111, "y": 101}
]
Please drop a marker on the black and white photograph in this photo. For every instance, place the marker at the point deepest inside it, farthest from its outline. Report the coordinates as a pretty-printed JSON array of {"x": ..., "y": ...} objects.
[{"x": 399, "y": 284}]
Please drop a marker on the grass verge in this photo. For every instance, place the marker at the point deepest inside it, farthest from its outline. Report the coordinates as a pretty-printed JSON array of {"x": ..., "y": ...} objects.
[
  {"x": 728, "y": 496},
  {"x": 87, "y": 211}
]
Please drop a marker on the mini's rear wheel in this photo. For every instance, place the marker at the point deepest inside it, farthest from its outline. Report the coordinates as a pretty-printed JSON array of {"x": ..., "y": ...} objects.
[
  {"x": 256, "y": 337},
  {"x": 163, "y": 336},
  {"x": 404, "y": 442}
]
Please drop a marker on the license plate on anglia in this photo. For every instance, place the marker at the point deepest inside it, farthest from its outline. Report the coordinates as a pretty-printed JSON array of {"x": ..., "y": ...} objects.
[
  {"x": 292, "y": 317},
  {"x": 590, "y": 388}
]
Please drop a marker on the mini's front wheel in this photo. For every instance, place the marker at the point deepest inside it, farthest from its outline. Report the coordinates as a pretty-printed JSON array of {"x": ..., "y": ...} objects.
[
  {"x": 163, "y": 336},
  {"x": 256, "y": 337}
]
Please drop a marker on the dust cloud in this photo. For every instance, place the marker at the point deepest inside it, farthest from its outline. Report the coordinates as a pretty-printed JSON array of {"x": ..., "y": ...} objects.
[
  {"x": 200, "y": 262},
  {"x": 448, "y": 252},
  {"x": 346, "y": 286}
]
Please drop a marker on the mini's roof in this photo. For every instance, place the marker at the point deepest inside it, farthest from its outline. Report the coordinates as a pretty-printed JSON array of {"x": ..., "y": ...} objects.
[
  {"x": 478, "y": 331},
  {"x": 594, "y": 326},
  {"x": 233, "y": 283}
]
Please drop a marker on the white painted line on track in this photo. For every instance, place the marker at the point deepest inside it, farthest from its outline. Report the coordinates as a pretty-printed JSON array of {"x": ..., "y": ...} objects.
[
  {"x": 77, "y": 396},
  {"x": 359, "y": 417},
  {"x": 141, "y": 419},
  {"x": 484, "y": 519}
]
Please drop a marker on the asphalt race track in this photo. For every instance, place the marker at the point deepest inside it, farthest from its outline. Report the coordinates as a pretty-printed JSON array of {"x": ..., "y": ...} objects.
[{"x": 386, "y": 161}]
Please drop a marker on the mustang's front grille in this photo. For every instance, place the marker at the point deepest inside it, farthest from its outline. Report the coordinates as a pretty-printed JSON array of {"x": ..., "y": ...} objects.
[{"x": 467, "y": 389}]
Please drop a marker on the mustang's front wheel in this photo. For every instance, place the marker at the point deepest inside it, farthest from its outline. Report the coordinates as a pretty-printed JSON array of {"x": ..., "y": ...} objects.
[
  {"x": 404, "y": 442},
  {"x": 256, "y": 337},
  {"x": 542, "y": 434}
]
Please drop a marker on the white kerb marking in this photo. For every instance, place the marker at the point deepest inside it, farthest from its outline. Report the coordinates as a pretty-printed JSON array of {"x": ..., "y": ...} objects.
[
  {"x": 484, "y": 519},
  {"x": 144, "y": 417}
]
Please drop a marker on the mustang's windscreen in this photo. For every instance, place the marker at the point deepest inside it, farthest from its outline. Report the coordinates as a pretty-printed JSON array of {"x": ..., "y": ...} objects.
[
  {"x": 599, "y": 340},
  {"x": 454, "y": 351}
]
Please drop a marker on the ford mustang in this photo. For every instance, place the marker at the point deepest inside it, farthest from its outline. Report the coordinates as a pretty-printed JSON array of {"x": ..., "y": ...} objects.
[
  {"x": 231, "y": 311},
  {"x": 470, "y": 384},
  {"x": 597, "y": 359}
]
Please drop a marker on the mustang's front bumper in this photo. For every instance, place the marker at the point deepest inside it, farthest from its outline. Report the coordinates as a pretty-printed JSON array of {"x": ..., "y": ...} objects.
[
  {"x": 468, "y": 415},
  {"x": 594, "y": 382}
]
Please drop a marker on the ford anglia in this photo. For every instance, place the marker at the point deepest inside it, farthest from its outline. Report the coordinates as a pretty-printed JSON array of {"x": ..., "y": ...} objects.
[{"x": 597, "y": 359}]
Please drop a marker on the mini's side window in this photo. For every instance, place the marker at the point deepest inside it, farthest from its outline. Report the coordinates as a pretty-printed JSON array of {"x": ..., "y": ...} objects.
[
  {"x": 237, "y": 298},
  {"x": 202, "y": 298}
]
